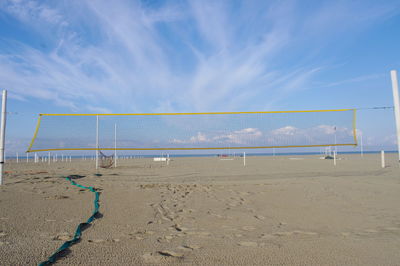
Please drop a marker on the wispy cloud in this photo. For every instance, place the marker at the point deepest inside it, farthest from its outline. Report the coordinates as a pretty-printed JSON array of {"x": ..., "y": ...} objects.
[{"x": 125, "y": 56}]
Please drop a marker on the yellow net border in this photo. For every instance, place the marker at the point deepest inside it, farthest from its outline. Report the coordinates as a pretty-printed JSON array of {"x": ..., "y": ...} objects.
[{"x": 202, "y": 113}]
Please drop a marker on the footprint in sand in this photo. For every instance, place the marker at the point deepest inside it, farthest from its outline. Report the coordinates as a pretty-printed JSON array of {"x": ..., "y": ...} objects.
[
  {"x": 63, "y": 237},
  {"x": 267, "y": 236},
  {"x": 170, "y": 237},
  {"x": 345, "y": 234},
  {"x": 168, "y": 253},
  {"x": 248, "y": 228},
  {"x": 189, "y": 247},
  {"x": 201, "y": 234},
  {"x": 248, "y": 244},
  {"x": 96, "y": 240},
  {"x": 151, "y": 258},
  {"x": 58, "y": 197},
  {"x": 297, "y": 232},
  {"x": 180, "y": 228}
]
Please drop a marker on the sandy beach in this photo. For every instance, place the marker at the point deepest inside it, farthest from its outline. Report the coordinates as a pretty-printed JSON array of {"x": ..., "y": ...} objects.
[{"x": 283, "y": 210}]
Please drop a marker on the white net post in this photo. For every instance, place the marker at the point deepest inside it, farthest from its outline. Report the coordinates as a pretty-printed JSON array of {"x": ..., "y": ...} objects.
[
  {"x": 396, "y": 101},
  {"x": 115, "y": 145},
  {"x": 334, "y": 157},
  {"x": 3, "y": 134},
  {"x": 97, "y": 142}
]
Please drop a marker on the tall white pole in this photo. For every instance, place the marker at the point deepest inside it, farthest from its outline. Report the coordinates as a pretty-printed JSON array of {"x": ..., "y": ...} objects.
[
  {"x": 97, "y": 142},
  {"x": 396, "y": 101},
  {"x": 115, "y": 145},
  {"x": 383, "y": 159},
  {"x": 244, "y": 158},
  {"x": 2, "y": 134},
  {"x": 335, "y": 141}
]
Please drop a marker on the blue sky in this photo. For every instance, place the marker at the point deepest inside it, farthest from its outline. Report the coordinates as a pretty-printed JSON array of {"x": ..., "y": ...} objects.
[{"x": 189, "y": 56}]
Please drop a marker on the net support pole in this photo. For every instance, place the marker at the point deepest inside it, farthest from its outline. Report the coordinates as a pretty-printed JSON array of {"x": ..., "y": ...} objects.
[
  {"x": 396, "y": 101},
  {"x": 361, "y": 145},
  {"x": 2, "y": 134},
  {"x": 383, "y": 159},
  {"x": 97, "y": 142},
  {"x": 115, "y": 145},
  {"x": 334, "y": 158},
  {"x": 244, "y": 158}
]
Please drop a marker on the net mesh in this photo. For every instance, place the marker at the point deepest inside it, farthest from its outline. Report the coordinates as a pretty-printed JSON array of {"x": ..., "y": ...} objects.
[
  {"x": 195, "y": 130},
  {"x": 106, "y": 161}
]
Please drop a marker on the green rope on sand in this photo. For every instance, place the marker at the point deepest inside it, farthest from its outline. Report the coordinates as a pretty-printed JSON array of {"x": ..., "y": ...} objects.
[{"x": 80, "y": 227}]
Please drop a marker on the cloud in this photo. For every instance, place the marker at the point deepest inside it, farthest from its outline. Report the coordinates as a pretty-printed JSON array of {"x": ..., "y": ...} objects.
[
  {"x": 241, "y": 137},
  {"x": 316, "y": 135},
  {"x": 128, "y": 56},
  {"x": 199, "y": 138},
  {"x": 287, "y": 130}
]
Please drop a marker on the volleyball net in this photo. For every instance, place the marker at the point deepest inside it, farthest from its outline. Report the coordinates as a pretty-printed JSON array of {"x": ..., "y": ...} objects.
[{"x": 195, "y": 131}]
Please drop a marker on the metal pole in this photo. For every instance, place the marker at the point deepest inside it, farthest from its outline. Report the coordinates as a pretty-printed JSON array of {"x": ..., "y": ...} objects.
[
  {"x": 27, "y": 158},
  {"x": 244, "y": 158},
  {"x": 396, "y": 101},
  {"x": 335, "y": 141},
  {"x": 383, "y": 159},
  {"x": 97, "y": 142},
  {"x": 17, "y": 158},
  {"x": 2, "y": 134},
  {"x": 115, "y": 145}
]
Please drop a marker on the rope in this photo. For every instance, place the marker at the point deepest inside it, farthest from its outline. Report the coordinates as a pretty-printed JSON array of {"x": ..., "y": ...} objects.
[
  {"x": 80, "y": 227},
  {"x": 376, "y": 108}
]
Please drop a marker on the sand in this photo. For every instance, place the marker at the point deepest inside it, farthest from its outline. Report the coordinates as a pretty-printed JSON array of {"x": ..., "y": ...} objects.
[{"x": 287, "y": 210}]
